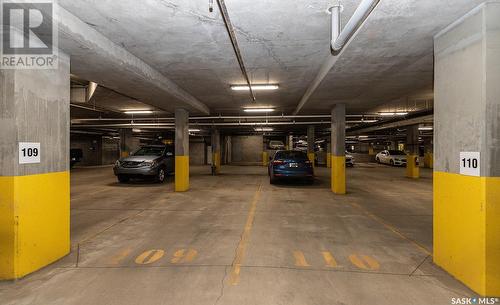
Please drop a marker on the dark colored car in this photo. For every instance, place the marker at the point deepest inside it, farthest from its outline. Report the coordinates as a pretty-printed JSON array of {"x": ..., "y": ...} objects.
[
  {"x": 290, "y": 164},
  {"x": 75, "y": 156},
  {"x": 149, "y": 161}
]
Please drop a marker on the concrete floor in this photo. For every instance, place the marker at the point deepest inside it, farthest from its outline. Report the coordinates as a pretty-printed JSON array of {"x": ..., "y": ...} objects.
[{"x": 235, "y": 239}]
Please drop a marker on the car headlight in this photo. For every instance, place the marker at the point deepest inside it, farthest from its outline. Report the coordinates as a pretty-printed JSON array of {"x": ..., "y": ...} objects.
[
  {"x": 149, "y": 163},
  {"x": 117, "y": 163}
]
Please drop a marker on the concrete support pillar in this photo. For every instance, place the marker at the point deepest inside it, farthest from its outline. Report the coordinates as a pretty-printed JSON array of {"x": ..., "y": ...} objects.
[
  {"x": 393, "y": 145},
  {"x": 34, "y": 178},
  {"x": 329, "y": 154},
  {"x": 216, "y": 150},
  {"x": 310, "y": 144},
  {"x": 338, "y": 149},
  {"x": 467, "y": 111},
  {"x": 181, "y": 150},
  {"x": 412, "y": 166},
  {"x": 127, "y": 143},
  {"x": 428, "y": 153}
]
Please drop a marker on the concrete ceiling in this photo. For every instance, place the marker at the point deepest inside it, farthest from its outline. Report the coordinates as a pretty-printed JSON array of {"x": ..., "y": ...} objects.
[{"x": 282, "y": 42}]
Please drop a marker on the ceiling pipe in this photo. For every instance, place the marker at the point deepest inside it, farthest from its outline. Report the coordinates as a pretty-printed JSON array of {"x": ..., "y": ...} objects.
[
  {"x": 339, "y": 40},
  {"x": 234, "y": 42},
  {"x": 201, "y": 118}
]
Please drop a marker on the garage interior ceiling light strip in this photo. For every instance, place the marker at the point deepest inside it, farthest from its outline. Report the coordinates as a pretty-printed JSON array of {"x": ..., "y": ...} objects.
[
  {"x": 254, "y": 87},
  {"x": 138, "y": 112},
  {"x": 259, "y": 110}
]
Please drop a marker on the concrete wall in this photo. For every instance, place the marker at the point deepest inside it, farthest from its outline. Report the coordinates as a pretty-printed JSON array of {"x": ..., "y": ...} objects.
[
  {"x": 247, "y": 149},
  {"x": 110, "y": 151},
  {"x": 197, "y": 152}
]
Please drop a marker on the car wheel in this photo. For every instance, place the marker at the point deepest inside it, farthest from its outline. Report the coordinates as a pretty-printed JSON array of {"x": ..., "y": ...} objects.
[
  {"x": 378, "y": 160},
  {"x": 160, "y": 176},
  {"x": 123, "y": 178},
  {"x": 392, "y": 162}
]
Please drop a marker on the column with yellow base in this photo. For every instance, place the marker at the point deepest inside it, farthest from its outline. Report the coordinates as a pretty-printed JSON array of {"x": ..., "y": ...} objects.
[
  {"x": 328, "y": 160},
  {"x": 311, "y": 157},
  {"x": 429, "y": 160},
  {"x": 338, "y": 172},
  {"x": 265, "y": 158},
  {"x": 412, "y": 168},
  {"x": 216, "y": 149},
  {"x": 467, "y": 150},
  {"x": 34, "y": 193},
  {"x": 412, "y": 145},
  {"x": 181, "y": 150}
]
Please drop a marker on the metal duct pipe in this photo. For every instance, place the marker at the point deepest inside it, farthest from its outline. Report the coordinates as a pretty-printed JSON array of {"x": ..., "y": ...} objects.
[
  {"x": 256, "y": 117},
  {"x": 342, "y": 39},
  {"x": 338, "y": 41},
  {"x": 171, "y": 125},
  {"x": 234, "y": 42}
]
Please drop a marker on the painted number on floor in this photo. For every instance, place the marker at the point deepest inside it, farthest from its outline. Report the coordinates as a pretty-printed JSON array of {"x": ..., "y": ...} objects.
[
  {"x": 29, "y": 153},
  {"x": 470, "y": 163}
]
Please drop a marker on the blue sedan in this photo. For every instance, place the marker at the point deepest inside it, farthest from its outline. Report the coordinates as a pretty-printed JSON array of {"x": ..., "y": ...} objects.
[{"x": 290, "y": 164}]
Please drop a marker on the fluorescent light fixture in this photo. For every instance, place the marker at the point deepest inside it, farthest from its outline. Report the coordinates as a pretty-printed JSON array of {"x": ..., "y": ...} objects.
[
  {"x": 254, "y": 87},
  {"x": 136, "y": 130},
  {"x": 263, "y": 129},
  {"x": 138, "y": 112},
  {"x": 264, "y": 110},
  {"x": 194, "y": 130},
  {"x": 392, "y": 113},
  {"x": 362, "y": 137},
  {"x": 426, "y": 128}
]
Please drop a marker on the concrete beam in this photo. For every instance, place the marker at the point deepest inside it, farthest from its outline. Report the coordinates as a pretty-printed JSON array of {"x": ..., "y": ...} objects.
[{"x": 98, "y": 59}]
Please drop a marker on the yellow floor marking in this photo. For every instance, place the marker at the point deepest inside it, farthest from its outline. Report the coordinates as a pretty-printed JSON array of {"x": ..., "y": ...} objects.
[
  {"x": 391, "y": 228},
  {"x": 190, "y": 256},
  {"x": 178, "y": 255},
  {"x": 234, "y": 277},
  {"x": 329, "y": 259},
  {"x": 300, "y": 259},
  {"x": 364, "y": 262},
  {"x": 149, "y": 257},
  {"x": 115, "y": 260}
]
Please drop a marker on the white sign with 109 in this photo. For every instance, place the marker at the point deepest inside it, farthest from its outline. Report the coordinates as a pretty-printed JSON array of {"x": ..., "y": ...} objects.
[
  {"x": 29, "y": 153},
  {"x": 470, "y": 163}
]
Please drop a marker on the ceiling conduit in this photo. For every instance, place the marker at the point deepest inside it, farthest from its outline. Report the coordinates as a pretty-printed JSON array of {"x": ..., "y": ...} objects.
[{"x": 339, "y": 40}]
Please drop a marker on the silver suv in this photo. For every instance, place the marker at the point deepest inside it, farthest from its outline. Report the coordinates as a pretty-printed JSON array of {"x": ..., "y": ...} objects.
[{"x": 148, "y": 161}]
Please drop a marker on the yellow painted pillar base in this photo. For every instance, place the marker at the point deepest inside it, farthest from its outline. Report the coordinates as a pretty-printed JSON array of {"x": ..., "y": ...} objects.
[
  {"x": 311, "y": 156},
  {"x": 412, "y": 169},
  {"x": 265, "y": 158},
  {"x": 216, "y": 161},
  {"x": 338, "y": 175},
  {"x": 124, "y": 154},
  {"x": 34, "y": 222},
  {"x": 329, "y": 160},
  {"x": 429, "y": 160},
  {"x": 467, "y": 230},
  {"x": 181, "y": 173}
]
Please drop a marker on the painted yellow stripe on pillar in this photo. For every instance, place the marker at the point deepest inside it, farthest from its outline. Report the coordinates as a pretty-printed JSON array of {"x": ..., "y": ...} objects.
[
  {"x": 412, "y": 169},
  {"x": 300, "y": 259},
  {"x": 329, "y": 259},
  {"x": 181, "y": 173},
  {"x": 338, "y": 175},
  {"x": 311, "y": 157},
  {"x": 329, "y": 160},
  {"x": 265, "y": 158},
  {"x": 216, "y": 161},
  {"x": 234, "y": 277},
  {"x": 34, "y": 222},
  {"x": 467, "y": 229}
]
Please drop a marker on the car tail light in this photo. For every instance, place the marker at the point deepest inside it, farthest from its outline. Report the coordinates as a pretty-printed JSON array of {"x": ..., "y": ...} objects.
[{"x": 278, "y": 162}]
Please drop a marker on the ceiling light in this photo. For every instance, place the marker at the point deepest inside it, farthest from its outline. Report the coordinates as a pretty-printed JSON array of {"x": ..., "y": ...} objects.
[
  {"x": 254, "y": 87},
  {"x": 263, "y": 129},
  {"x": 426, "y": 128},
  {"x": 194, "y": 130},
  {"x": 136, "y": 130},
  {"x": 392, "y": 113},
  {"x": 138, "y": 112},
  {"x": 266, "y": 110}
]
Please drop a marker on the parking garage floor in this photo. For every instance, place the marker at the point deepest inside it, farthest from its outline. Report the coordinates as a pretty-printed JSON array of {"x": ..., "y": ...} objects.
[{"x": 236, "y": 239}]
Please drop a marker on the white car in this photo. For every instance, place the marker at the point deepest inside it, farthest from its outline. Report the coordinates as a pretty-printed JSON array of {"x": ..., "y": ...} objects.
[
  {"x": 349, "y": 160},
  {"x": 392, "y": 157}
]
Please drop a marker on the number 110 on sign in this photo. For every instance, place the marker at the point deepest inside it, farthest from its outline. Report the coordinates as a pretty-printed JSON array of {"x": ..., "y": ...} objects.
[{"x": 470, "y": 163}]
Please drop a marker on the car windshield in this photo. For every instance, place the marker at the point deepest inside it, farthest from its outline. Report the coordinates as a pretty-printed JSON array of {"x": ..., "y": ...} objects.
[
  {"x": 294, "y": 155},
  {"x": 149, "y": 151},
  {"x": 396, "y": 153}
]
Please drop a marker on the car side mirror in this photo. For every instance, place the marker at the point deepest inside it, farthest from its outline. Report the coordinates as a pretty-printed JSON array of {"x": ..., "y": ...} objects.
[{"x": 169, "y": 154}]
